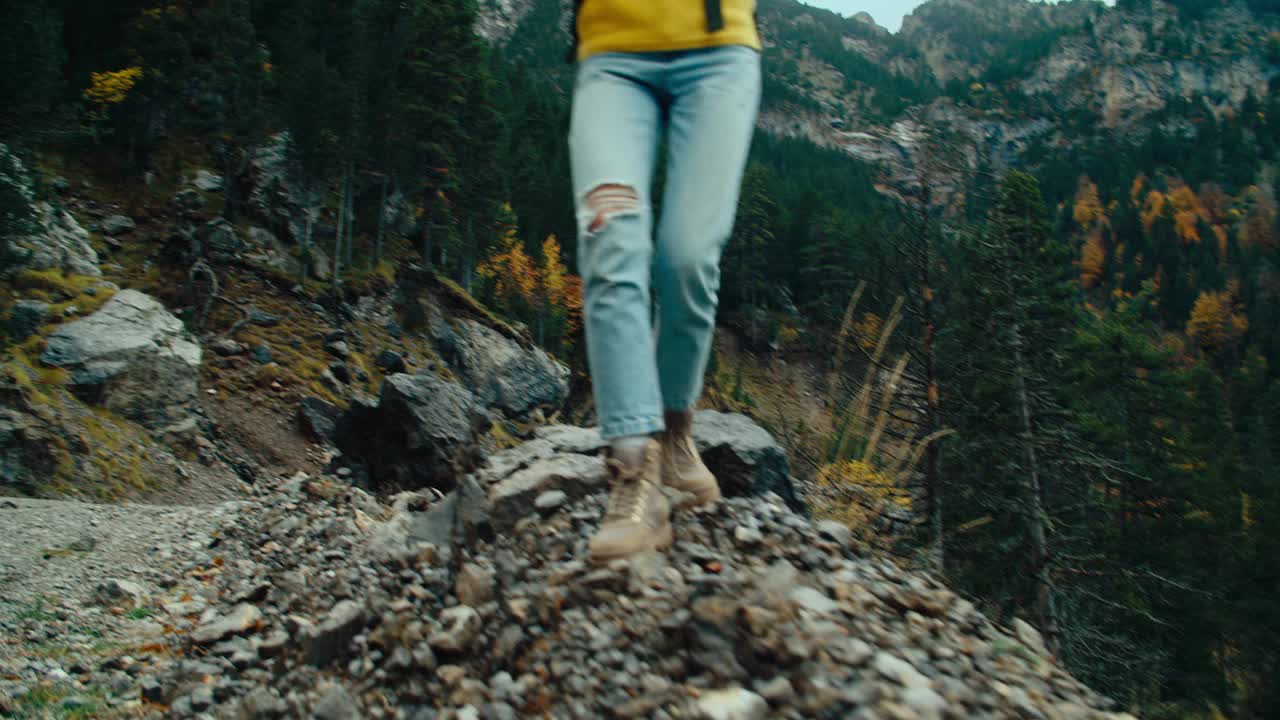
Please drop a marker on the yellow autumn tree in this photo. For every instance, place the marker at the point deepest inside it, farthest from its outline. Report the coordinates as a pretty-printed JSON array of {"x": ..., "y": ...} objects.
[
  {"x": 1152, "y": 207},
  {"x": 1093, "y": 258},
  {"x": 511, "y": 273},
  {"x": 1187, "y": 213},
  {"x": 560, "y": 292},
  {"x": 112, "y": 87},
  {"x": 1214, "y": 321},
  {"x": 1136, "y": 189},
  {"x": 542, "y": 294},
  {"x": 1088, "y": 207}
]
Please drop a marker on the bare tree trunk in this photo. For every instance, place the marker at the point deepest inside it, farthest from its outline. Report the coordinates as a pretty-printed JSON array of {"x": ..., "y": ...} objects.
[
  {"x": 426, "y": 235},
  {"x": 306, "y": 249},
  {"x": 376, "y": 256},
  {"x": 351, "y": 215},
  {"x": 1036, "y": 515},
  {"x": 468, "y": 258},
  {"x": 341, "y": 229}
]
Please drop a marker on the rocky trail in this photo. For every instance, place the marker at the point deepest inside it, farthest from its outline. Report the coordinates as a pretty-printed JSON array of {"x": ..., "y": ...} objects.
[{"x": 314, "y": 598}]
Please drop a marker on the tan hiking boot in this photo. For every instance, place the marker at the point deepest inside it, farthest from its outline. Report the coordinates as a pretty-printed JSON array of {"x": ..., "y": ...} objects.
[
  {"x": 682, "y": 466},
  {"x": 638, "y": 517}
]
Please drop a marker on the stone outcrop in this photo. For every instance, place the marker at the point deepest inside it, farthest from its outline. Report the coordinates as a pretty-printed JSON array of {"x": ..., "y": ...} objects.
[
  {"x": 57, "y": 242},
  {"x": 501, "y": 372},
  {"x": 421, "y": 432},
  {"x": 132, "y": 357},
  {"x": 755, "y": 613}
]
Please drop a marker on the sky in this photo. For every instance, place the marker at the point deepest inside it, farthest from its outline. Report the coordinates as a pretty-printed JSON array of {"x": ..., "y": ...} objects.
[{"x": 888, "y": 13}]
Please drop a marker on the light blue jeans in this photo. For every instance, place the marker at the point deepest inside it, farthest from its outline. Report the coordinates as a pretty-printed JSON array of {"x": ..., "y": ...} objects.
[{"x": 707, "y": 101}]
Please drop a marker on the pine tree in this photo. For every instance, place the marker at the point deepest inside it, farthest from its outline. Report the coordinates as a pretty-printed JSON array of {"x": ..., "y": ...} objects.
[
  {"x": 745, "y": 279},
  {"x": 1008, "y": 329}
]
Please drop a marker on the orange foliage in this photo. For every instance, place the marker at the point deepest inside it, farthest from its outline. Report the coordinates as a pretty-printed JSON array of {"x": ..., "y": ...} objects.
[
  {"x": 1088, "y": 208},
  {"x": 1135, "y": 190},
  {"x": 1152, "y": 207},
  {"x": 1215, "y": 321},
  {"x": 1093, "y": 256},
  {"x": 560, "y": 290},
  {"x": 1220, "y": 232},
  {"x": 521, "y": 284},
  {"x": 511, "y": 271},
  {"x": 1187, "y": 212}
]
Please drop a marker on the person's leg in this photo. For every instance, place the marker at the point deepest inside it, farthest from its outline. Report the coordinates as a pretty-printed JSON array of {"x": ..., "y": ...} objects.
[
  {"x": 716, "y": 96},
  {"x": 613, "y": 138},
  {"x": 613, "y": 141}
]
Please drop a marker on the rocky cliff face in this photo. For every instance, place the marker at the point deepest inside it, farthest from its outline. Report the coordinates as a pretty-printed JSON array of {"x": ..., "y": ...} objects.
[
  {"x": 846, "y": 82},
  {"x": 960, "y": 39},
  {"x": 1125, "y": 66}
]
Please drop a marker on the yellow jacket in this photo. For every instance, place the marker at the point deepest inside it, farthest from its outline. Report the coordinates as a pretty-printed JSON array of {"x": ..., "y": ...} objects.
[{"x": 661, "y": 25}]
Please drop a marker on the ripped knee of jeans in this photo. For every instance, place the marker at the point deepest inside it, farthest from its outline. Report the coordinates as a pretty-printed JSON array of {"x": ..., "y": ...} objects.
[{"x": 606, "y": 201}]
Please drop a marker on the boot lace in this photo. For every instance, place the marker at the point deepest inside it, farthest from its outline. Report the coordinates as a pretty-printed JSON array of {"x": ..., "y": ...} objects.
[{"x": 626, "y": 496}]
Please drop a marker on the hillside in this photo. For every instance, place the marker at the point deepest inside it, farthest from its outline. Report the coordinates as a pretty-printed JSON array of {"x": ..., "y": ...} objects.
[{"x": 295, "y": 409}]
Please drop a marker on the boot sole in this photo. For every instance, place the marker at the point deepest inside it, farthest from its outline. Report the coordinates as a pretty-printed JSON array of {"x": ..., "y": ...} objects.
[
  {"x": 662, "y": 540},
  {"x": 693, "y": 500}
]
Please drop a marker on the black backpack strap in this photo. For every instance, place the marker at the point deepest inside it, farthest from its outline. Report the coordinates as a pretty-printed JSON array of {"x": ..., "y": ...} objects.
[{"x": 715, "y": 18}]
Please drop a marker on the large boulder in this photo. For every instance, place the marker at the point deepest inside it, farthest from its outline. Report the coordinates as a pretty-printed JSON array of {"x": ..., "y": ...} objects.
[
  {"x": 422, "y": 432},
  {"x": 743, "y": 456},
  {"x": 500, "y": 371},
  {"x": 57, "y": 242},
  {"x": 132, "y": 357}
]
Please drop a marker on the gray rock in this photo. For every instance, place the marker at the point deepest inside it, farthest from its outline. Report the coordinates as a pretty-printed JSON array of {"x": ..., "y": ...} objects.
[
  {"x": 927, "y": 703},
  {"x": 505, "y": 462},
  {"x": 568, "y": 438},
  {"x": 122, "y": 593},
  {"x": 391, "y": 362},
  {"x": 118, "y": 225},
  {"x": 502, "y": 373},
  {"x": 833, "y": 530},
  {"x": 423, "y": 432},
  {"x": 240, "y": 619},
  {"x": 56, "y": 242},
  {"x": 743, "y": 456},
  {"x": 776, "y": 690},
  {"x": 899, "y": 671},
  {"x": 189, "y": 199},
  {"x": 262, "y": 319},
  {"x": 326, "y": 641},
  {"x": 318, "y": 419},
  {"x": 459, "y": 627},
  {"x": 261, "y": 703},
  {"x": 475, "y": 585},
  {"x": 26, "y": 317},
  {"x": 574, "y": 475},
  {"x": 732, "y": 704},
  {"x": 218, "y": 239},
  {"x": 550, "y": 500},
  {"x": 132, "y": 357},
  {"x": 207, "y": 181},
  {"x": 814, "y": 601},
  {"x": 336, "y": 704},
  {"x": 226, "y": 347},
  {"x": 261, "y": 354},
  {"x": 1029, "y": 636}
]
